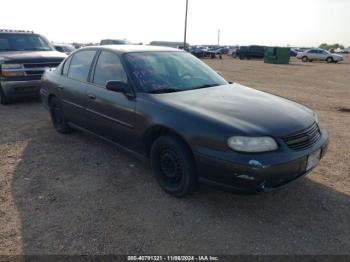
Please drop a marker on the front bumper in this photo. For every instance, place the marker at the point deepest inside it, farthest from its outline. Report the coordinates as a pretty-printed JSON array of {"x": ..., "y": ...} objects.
[
  {"x": 21, "y": 88},
  {"x": 259, "y": 174}
]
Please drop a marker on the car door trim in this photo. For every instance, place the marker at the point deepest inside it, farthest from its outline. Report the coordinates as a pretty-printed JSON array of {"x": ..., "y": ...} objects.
[
  {"x": 110, "y": 118},
  {"x": 72, "y": 104}
]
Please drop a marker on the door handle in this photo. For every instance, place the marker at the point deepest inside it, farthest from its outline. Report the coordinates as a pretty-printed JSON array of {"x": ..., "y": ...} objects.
[
  {"x": 60, "y": 87},
  {"x": 91, "y": 96}
]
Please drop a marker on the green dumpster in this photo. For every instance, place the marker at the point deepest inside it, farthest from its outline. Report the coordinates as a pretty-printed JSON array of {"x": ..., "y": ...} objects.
[{"x": 277, "y": 55}]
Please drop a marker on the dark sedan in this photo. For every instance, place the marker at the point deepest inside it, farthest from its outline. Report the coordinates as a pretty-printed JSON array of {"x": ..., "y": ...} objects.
[{"x": 165, "y": 105}]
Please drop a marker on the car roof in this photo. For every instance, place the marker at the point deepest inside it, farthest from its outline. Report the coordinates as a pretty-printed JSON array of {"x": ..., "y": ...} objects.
[{"x": 135, "y": 48}]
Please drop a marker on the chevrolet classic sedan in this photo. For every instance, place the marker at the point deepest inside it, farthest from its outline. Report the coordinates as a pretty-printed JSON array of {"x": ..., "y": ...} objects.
[{"x": 168, "y": 107}]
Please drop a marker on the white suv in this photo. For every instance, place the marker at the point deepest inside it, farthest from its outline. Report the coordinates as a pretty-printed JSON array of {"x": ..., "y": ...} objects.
[{"x": 318, "y": 54}]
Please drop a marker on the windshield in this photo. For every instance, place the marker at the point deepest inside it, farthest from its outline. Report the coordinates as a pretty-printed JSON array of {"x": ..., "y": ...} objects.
[
  {"x": 162, "y": 72},
  {"x": 23, "y": 42}
]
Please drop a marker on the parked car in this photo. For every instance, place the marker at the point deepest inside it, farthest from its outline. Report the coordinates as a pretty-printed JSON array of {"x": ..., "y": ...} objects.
[
  {"x": 24, "y": 56},
  {"x": 204, "y": 52},
  {"x": 293, "y": 52},
  {"x": 249, "y": 52},
  {"x": 318, "y": 54},
  {"x": 166, "y": 105},
  {"x": 232, "y": 51},
  {"x": 64, "y": 48},
  {"x": 198, "y": 52},
  {"x": 114, "y": 42}
]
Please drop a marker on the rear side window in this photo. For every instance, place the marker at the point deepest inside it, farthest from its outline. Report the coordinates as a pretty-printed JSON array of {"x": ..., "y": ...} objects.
[
  {"x": 66, "y": 66},
  {"x": 108, "y": 68},
  {"x": 80, "y": 65}
]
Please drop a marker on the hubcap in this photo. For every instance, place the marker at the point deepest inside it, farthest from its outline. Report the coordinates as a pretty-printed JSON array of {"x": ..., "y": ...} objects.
[{"x": 170, "y": 166}]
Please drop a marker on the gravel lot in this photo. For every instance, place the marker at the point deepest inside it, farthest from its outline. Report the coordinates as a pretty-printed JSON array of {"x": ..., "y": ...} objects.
[{"x": 75, "y": 194}]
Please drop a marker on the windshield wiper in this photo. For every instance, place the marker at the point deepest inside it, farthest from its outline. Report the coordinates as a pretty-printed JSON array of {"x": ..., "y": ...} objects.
[
  {"x": 164, "y": 90},
  {"x": 204, "y": 86}
]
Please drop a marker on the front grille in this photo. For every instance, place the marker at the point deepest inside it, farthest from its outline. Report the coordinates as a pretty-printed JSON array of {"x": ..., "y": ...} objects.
[
  {"x": 38, "y": 69},
  {"x": 36, "y": 72},
  {"x": 303, "y": 139},
  {"x": 41, "y": 65}
]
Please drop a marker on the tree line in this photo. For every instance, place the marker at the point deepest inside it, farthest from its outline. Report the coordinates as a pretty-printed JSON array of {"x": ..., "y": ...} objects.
[{"x": 332, "y": 46}]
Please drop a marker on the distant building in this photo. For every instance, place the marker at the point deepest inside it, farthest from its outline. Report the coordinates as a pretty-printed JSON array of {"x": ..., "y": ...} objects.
[{"x": 168, "y": 44}]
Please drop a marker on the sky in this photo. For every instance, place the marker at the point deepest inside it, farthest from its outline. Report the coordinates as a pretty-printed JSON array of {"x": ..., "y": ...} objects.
[{"x": 243, "y": 22}]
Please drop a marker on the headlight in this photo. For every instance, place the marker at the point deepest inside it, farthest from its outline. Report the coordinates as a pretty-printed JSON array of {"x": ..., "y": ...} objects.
[
  {"x": 11, "y": 66},
  {"x": 11, "y": 70},
  {"x": 252, "y": 144}
]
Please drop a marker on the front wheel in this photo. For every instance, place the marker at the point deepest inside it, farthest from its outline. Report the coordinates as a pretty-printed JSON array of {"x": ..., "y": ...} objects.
[
  {"x": 173, "y": 166},
  {"x": 330, "y": 60},
  {"x": 305, "y": 59},
  {"x": 57, "y": 116}
]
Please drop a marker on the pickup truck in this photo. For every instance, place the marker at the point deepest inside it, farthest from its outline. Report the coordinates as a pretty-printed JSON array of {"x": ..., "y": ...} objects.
[{"x": 24, "y": 56}]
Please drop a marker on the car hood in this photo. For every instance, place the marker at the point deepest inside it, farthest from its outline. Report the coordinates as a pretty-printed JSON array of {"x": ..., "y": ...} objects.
[
  {"x": 247, "y": 110},
  {"x": 31, "y": 56}
]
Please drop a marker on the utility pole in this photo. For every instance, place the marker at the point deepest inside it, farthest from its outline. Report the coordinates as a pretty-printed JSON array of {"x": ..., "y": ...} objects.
[
  {"x": 219, "y": 37},
  {"x": 186, "y": 25}
]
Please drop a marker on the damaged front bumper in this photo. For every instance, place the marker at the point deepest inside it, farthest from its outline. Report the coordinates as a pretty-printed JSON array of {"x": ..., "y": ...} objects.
[{"x": 257, "y": 173}]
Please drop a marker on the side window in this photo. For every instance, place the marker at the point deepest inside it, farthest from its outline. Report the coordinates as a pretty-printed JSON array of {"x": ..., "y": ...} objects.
[
  {"x": 108, "y": 68},
  {"x": 59, "y": 48},
  {"x": 80, "y": 65},
  {"x": 66, "y": 66}
]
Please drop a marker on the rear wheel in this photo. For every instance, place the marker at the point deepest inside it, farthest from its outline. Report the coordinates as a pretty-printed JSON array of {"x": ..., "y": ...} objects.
[
  {"x": 57, "y": 116},
  {"x": 329, "y": 60},
  {"x": 173, "y": 166},
  {"x": 4, "y": 100},
  {"x": 305, "y": 59}
]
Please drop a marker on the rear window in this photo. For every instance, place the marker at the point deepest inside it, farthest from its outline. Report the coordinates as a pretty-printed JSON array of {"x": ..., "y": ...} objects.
[{"x": 80, "y": 65}]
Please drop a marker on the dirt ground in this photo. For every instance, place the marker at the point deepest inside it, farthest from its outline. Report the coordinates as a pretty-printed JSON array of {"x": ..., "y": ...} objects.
[{"x": 75, "y": 194}]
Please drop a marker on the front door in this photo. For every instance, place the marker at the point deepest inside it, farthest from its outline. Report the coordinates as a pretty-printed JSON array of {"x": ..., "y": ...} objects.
[{"x": 110, "y": 114}]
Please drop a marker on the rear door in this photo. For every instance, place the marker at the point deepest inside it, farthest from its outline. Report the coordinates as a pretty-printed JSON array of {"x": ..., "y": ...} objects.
[
  {"x": 312, "y": 54},
  {"x": 73, "y": 86},
  {"x": 110, "y": 114}
]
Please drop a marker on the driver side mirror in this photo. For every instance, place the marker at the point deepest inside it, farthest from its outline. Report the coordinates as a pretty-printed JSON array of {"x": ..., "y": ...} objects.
[{"x": 117, "y": 86}]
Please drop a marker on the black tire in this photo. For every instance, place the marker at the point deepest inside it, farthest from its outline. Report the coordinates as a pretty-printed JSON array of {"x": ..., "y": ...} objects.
[
  {"x": 330, "y": 60},
  {"x": 4, "y": 100},
  {"x": 173, "y": 166},
  {"x": 57, "y": 116},
  {"x": 241, "y": 57},
  {"x": 305, "y": 59}
]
